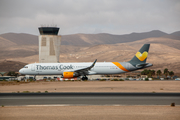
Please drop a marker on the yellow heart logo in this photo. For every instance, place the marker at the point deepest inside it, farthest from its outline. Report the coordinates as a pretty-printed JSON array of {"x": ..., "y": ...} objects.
[{"x": 141, "y": 57}]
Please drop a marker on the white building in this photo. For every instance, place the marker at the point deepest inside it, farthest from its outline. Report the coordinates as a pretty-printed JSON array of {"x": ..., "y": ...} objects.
[{"x": 49, "y": 45}]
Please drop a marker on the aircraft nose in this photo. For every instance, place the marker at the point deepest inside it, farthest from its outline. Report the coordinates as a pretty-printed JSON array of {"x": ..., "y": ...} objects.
[{"x": 21, "y": 71}]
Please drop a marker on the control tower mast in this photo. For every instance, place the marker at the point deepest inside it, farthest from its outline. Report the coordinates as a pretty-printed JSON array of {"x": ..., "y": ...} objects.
[{"x": 49, "y": 44}]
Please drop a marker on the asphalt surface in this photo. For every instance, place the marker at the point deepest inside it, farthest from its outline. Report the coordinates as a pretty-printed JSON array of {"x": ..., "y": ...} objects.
[{"x": 20, "y": 99}]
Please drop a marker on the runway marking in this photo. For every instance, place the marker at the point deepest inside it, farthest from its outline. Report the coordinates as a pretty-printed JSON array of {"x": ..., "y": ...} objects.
[
  {"x": 63, "y": 105},
  {"x": 48, "y": 105}
]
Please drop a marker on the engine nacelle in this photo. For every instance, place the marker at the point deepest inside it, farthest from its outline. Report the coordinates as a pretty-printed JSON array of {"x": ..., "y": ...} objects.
[{"x": 69, "y": 74}]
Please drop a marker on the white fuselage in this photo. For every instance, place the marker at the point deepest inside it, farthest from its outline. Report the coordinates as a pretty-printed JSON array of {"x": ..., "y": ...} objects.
[{"x": 59, "y": 68}]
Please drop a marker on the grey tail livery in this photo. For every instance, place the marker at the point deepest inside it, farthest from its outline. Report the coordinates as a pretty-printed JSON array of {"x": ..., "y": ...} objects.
[{"x": 139, "y": 59}]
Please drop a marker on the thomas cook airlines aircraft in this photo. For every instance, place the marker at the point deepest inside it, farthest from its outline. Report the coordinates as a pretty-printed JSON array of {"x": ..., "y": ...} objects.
[{"x": 70, "y": 70}]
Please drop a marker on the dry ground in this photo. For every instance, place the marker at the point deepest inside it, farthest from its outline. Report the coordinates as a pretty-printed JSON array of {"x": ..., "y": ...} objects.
[
  {"x": 90, "y": 113},
  {"x": 92, "y": 86}
]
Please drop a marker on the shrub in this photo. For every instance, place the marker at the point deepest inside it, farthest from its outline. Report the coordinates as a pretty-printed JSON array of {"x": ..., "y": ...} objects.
[
  {"x": 146, "y": 79},
  {"x": 115, "y": 80},
  {"x": 102, "y": 80},
  {"x": 26, "y": 92},
  {"x": 31, "y": 80}
]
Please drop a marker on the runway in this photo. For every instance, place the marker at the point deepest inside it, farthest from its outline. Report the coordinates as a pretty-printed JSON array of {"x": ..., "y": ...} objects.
[{"x": 21, "y": 99}]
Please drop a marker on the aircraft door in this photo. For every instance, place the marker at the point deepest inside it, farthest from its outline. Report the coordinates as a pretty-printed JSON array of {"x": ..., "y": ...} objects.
[{"x": 32, "y": 67}]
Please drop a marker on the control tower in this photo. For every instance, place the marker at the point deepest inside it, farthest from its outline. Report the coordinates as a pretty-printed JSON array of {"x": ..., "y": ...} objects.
[{"x": 49, "y": 45}]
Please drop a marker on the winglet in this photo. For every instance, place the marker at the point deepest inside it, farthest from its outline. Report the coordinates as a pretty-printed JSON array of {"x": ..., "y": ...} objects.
[{"x": 93, "y": 64}]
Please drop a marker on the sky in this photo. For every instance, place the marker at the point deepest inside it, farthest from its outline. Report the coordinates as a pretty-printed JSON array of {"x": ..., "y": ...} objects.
[{"x": 90, "y": 16}]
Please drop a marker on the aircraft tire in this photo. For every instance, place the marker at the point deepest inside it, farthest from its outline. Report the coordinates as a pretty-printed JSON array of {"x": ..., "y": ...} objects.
[{"x": 84, "y": 78}]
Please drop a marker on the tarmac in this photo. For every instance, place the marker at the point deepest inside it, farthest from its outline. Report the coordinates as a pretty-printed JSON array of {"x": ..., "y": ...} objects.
[{"x": 79, "y": 99}]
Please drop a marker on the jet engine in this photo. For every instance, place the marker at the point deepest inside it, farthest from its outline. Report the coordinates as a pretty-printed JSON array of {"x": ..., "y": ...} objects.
[{"x": 69, "y": 74}]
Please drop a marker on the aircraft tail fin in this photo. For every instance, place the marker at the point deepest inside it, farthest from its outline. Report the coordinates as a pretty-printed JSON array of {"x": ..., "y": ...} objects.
[{"x": 141, "y": 56}]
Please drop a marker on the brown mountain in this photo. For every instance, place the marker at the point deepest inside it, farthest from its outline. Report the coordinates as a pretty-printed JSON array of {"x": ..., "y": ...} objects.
[
  {"x": 19, "y": 39},
  {"x": 6, "y": 43},
  {"x": 103, "y": 38},
  {"x": 175, "y": 35},
  {"x": 163, "y": 51},
  {"x": 9, "y": 39},
  {"x": 7, "y": 66}
]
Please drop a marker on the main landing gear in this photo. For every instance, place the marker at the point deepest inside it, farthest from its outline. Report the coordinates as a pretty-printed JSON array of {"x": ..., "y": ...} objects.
[
  {"x": 84, "y": 78},
  {"x": 34, "y": 77}
]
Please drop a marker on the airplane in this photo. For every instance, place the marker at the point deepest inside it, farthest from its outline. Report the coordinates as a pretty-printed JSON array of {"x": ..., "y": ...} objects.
[{"x": 71, "y": 70}]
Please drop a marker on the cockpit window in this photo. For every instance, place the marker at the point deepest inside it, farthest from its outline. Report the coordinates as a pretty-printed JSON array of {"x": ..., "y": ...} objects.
[{"x": 25, "y": 66}]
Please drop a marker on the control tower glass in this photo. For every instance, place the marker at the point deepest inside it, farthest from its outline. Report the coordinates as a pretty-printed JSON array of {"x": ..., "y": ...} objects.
[{"x": 48, "y": 30}]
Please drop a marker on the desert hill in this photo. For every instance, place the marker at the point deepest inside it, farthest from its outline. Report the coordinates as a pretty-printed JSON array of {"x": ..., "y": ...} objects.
[
  {"x": 11, "y": 39},
  {"x": 21, "y": 38},
  {"x": 175, "y": 35},
  {"x": 18, "y": 51},
  {"x": 164, "y": 41},
  {"x": 7, "y": 66},
  {"x": 161, "y": 55},
  {"x": 103, "y": 38},
  {"x": 5, "y": 42},
  {"x": 164, "y": 51}
]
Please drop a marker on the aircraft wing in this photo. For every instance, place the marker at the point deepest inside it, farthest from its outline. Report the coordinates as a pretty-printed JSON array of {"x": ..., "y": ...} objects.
[{"x": 84, "y": 70}]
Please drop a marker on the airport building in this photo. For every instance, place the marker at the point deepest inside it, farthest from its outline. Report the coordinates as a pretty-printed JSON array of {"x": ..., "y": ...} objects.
[{"x": 49, "y": 45}]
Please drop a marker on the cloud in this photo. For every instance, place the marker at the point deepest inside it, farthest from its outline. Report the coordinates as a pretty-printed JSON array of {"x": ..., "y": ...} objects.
[{"x": 89, "y": 16}]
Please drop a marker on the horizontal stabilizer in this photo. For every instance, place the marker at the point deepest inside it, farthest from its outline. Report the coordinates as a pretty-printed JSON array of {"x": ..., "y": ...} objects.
[{"x": 144, "y": 65}]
